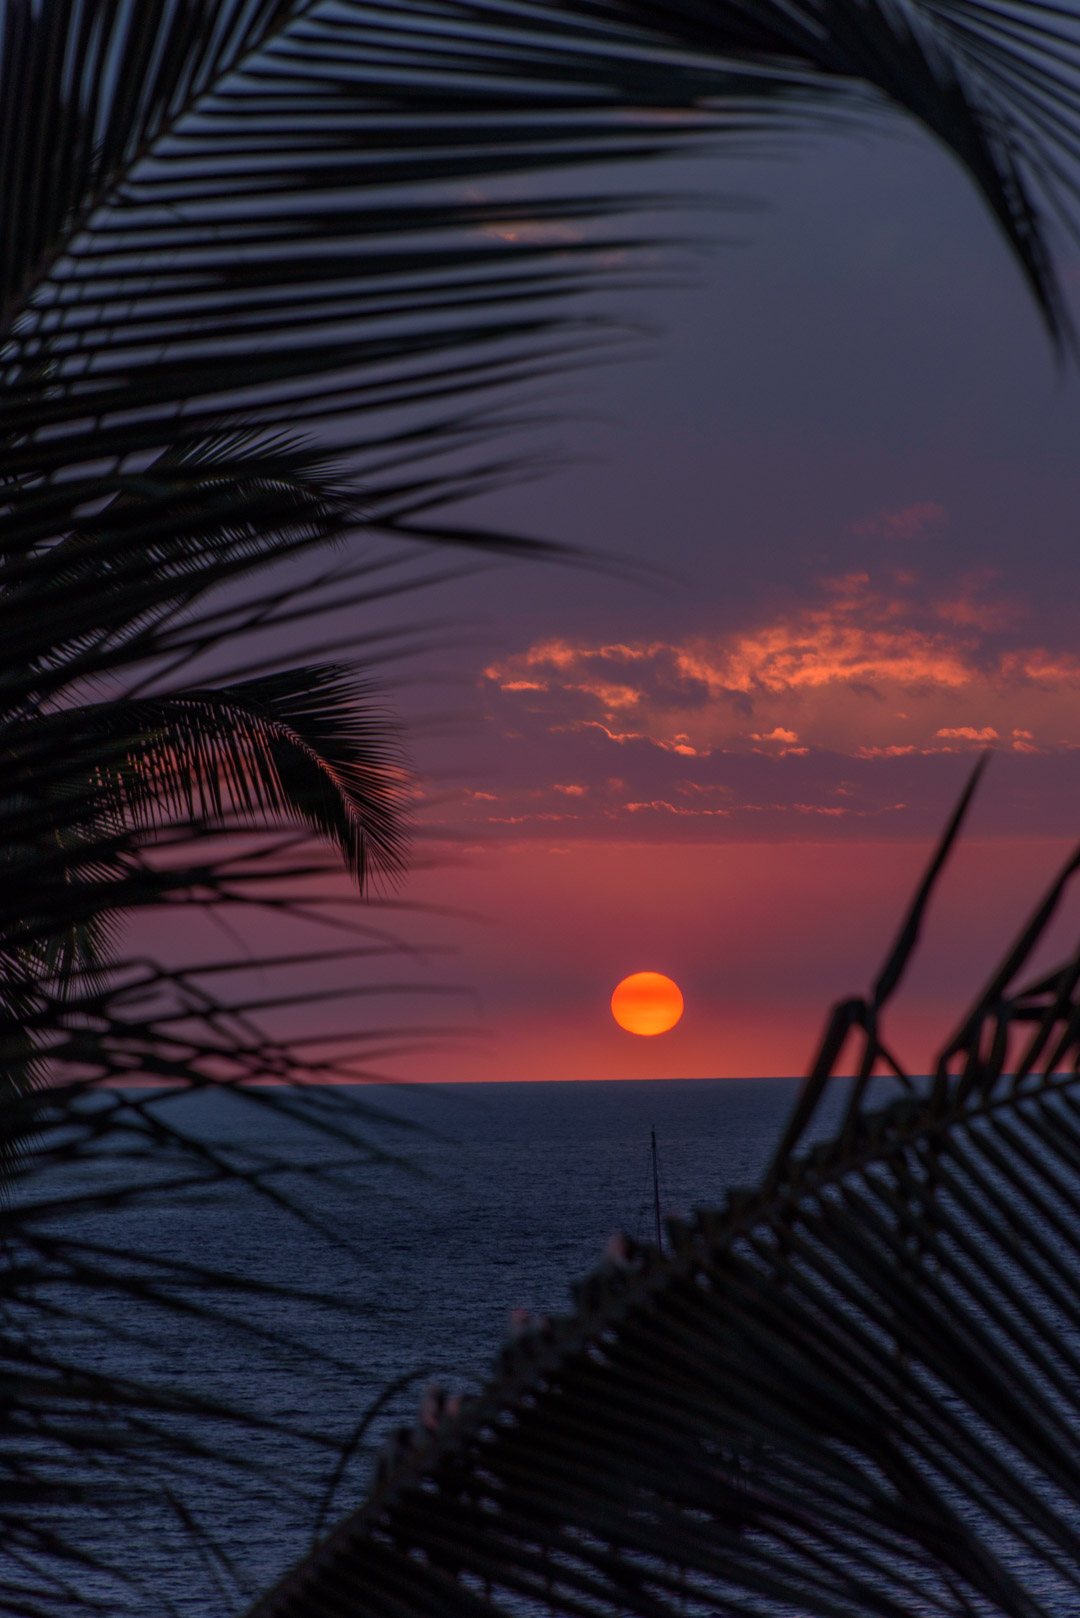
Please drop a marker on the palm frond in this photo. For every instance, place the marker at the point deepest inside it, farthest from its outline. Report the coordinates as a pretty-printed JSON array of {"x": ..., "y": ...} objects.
[
  {"x": 229, "y": 229},
  {"x": 225, "y": 222},
  {"x": 852, "y": 1391},
  {"x": 95, "y": 1446},
  {"x": 312, "y": 744},
  {"x": 995, "y": 82},
  {"x": 313, "y": 747}
]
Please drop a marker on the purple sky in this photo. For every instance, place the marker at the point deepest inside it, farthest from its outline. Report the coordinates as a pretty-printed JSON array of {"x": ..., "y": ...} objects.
[{"x": 850, "y": 451}]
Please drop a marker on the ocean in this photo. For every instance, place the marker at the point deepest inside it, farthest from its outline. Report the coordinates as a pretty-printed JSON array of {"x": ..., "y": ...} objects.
[{"x": 490, "y": 1197}]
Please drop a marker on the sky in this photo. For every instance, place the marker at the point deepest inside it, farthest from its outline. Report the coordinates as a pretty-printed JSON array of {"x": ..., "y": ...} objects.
[{"x": 836, "y": 489}]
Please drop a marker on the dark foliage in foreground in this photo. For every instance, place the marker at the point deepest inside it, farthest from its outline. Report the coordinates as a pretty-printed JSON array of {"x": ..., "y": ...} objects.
[
  {"x": 853, "y": 1390},
  {"x": 261, "y": 270}
]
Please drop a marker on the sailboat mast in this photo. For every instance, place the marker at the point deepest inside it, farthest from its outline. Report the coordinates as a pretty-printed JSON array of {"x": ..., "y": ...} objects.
[{"x": 656, "y": 1191}]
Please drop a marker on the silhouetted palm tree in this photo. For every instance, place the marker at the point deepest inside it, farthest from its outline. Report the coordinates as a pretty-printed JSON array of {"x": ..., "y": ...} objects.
[{"x": 260, "y": 276}]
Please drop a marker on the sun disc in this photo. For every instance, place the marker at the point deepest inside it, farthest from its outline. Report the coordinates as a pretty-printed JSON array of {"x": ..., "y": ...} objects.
[{"x": 647, "y": 1003}]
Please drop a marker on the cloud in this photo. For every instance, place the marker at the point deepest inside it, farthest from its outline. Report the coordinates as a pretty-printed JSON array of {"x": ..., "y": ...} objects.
[
  {"x": 855, "y": 696},
  {"x": 906, "y": 523},
  {"x": 969, "y": 733},
  {"x": 671, "y": 744},
  {"x": 857, "y": 638},
  {"x": 1042, "y": 667},
  {"x": 969, "y": 604},
  {"x": 810, "y": 678},
  {"x": 853, "y": 639}
]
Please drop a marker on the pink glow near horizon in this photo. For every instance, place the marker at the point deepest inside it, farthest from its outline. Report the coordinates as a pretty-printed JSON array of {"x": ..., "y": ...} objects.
[{"x": 761, "y": 938}]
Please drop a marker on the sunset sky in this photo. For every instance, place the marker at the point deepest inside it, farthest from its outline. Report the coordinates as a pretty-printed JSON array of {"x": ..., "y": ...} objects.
[{"x": 847, "y": 448}]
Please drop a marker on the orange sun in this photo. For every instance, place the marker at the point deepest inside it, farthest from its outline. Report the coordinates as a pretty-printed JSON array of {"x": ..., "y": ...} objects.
[{"x": 647, "y": 1003}]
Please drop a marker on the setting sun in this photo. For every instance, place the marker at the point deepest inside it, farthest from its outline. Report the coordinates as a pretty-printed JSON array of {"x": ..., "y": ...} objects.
[{"x": 647, "y": 1003}]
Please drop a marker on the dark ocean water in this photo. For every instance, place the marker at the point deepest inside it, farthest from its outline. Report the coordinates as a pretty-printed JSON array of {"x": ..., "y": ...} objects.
[{"x": 511, "y": 1199}]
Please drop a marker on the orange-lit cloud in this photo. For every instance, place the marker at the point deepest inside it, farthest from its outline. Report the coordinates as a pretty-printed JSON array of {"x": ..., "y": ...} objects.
[
  {"x": 968, "y": 733},
  {"x": 778, "y": 718},
  {"x": 867, "y": 667}
]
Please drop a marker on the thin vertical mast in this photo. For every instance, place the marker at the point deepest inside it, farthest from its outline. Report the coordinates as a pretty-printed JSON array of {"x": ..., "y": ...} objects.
[{"x": 656, "y": 1191}]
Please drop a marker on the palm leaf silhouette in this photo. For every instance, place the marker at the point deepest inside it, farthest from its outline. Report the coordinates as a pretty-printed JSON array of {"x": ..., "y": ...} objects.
[
  {"x": 96, "y": 1446},
  {"x": 307, "y": 741},
  {"x": 852, "y": 1390},
  {"x": 253, "y": 300},
  {"x": 200, "y": 214}
]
